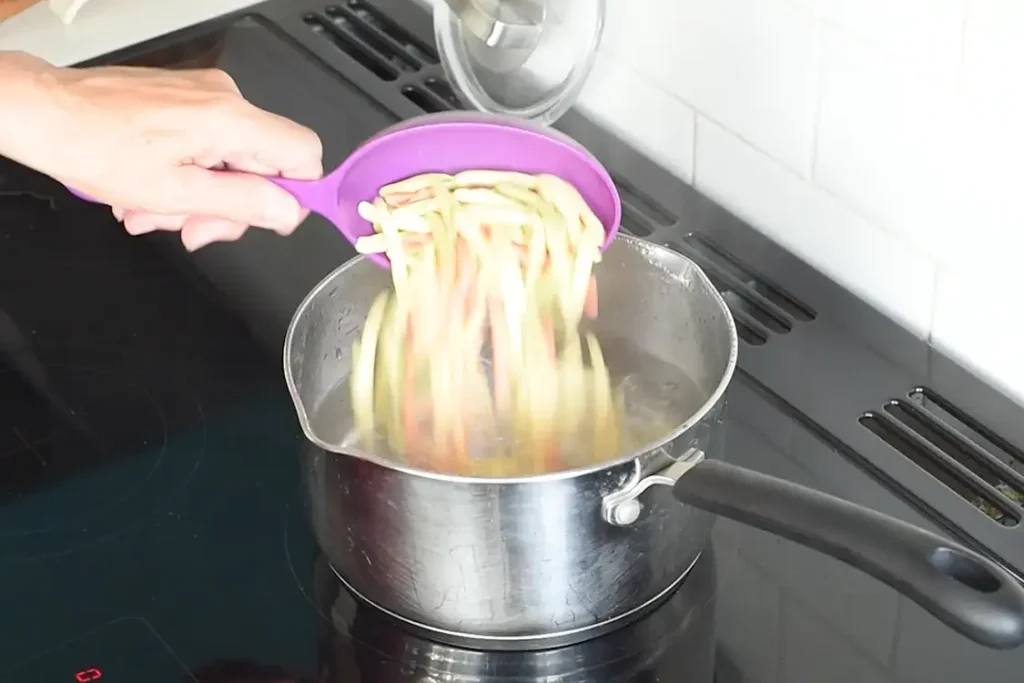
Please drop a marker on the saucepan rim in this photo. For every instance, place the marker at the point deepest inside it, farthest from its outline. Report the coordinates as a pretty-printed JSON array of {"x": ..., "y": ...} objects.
[{"x": 696, "y": 417}]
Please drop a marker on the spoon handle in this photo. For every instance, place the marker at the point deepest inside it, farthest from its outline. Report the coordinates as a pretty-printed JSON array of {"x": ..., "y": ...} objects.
[
  {"x": 319, "y": 196},
  {"x": 82, "y": 195},
  {"x": 316, "y": 195}
]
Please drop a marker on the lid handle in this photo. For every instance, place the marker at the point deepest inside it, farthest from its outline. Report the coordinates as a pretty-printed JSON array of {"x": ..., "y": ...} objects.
[{"x": 503, "y": 24}]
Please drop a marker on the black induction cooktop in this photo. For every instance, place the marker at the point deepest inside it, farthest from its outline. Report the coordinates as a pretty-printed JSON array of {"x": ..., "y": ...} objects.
[{"x": 151, "y": 524}]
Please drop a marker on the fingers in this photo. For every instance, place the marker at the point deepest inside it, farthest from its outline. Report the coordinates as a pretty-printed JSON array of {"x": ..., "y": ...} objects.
[
  {"x": 248, "y": 135},
  {"x": 236, "y": 197},
  {"x": 142, "y": 222},
  {"x": 272, "y": 141},
  {"x": 169, "y": 145},
  {"x": 196, "y": 231}
]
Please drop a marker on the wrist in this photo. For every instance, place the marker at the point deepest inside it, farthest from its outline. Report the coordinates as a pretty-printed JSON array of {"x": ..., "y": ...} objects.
[{"x": 28, "y": 108}]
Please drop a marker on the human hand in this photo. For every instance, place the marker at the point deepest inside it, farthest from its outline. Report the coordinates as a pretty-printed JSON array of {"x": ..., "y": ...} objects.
[{"x": 168, "y": 150}]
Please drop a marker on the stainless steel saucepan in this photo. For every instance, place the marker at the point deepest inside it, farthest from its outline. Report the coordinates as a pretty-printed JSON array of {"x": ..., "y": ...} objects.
[{"x": 539, "y": 561}]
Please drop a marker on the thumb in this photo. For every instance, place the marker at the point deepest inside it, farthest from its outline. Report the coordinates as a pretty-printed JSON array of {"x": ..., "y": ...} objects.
[{"x": 238, "y": 197}]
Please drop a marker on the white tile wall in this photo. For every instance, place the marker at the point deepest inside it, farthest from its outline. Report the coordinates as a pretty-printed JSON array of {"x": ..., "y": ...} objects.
[{"x": 882, "y": 141}]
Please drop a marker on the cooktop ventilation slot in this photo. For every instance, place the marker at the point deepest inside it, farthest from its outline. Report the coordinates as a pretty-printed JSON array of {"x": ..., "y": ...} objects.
[
  {"x": 424, "y": 99},
  {"x": 634, "y": 202},
  {"x": 432, "y": 94},
  {"x": 440, "y": 88},
  {"x": 971, "y": 460},
  {"x": 761, "y": 309},
  {"x": 641, "y": 216},
  {"x": 370, "y": 38},
  {"x": 369, "y": 16}
]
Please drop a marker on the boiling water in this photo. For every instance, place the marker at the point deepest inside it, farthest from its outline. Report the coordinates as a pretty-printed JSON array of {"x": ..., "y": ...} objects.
[{"x": 657, "y": 397}]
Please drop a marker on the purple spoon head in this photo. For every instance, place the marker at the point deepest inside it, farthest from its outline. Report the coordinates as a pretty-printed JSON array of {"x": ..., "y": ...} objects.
[{"x": 450, "y": 146}]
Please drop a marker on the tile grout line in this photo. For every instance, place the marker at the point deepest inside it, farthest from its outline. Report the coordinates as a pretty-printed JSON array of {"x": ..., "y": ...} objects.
[
  {"x": 935, "y": 305},
  {"x": 965, "y": 23},
  {"x": 832, "y": 196},
  {"x": 693, "y": 151}
]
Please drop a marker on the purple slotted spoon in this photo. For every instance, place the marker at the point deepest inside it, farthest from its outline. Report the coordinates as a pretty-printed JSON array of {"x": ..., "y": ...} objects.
[{"x": 448, "y": 143}]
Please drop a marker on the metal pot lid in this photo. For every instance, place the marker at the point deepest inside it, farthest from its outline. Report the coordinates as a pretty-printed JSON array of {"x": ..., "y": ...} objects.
[{"x": 524, "y": 58}]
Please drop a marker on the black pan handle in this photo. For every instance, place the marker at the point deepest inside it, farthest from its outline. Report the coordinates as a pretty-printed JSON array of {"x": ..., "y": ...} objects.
[{"x": 961, "y": 588}]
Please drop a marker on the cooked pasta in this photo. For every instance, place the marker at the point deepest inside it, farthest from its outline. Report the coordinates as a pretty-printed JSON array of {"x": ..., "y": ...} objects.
[{"x": 474, "y": 362}]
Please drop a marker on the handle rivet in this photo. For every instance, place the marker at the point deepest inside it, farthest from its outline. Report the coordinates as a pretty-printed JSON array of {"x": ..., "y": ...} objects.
[{"x": 626, "y": 513}]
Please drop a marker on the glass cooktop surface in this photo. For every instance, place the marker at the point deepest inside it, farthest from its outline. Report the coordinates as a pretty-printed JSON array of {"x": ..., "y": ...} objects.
[{"x": 151, "y": 523}]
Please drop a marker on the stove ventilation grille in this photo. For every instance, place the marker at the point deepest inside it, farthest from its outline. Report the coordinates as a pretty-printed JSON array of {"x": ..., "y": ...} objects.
[
  {"x": 760, "y": 308},
  {"x": 641, "y": 216},
  {"x": 373, "y": 40},
  {"x": 971, "y": 460},
  {"x": 432, "y": 95}
]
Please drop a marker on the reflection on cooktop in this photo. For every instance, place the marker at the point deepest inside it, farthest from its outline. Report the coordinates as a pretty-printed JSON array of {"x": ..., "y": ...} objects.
[
  {"x": 132, "y": 401},
  {"x": 54, "y": 433},
  {"x": 358, "y": 642},
  {"x": 108, "y": 372},
  {"x": 78, "y": 420},
  {"x": 673, "y": 643},
  {"x": 123, "y": 650},
  {"x": 242, "y": 671},
  {"x": 130, "y": 650}
]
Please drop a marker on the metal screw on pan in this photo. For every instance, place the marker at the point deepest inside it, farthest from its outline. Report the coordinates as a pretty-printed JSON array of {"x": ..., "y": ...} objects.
[{"x": 622, "y": 507}]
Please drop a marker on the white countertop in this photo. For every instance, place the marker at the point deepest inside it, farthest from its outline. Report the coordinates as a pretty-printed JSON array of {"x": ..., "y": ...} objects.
[{"x": 102, "y": 26}]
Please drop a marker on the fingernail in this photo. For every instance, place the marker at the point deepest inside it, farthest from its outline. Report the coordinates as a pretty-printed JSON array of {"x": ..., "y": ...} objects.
[
  {"x": 195, "y": 241},
  {"x": 139, "y": 224}
]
